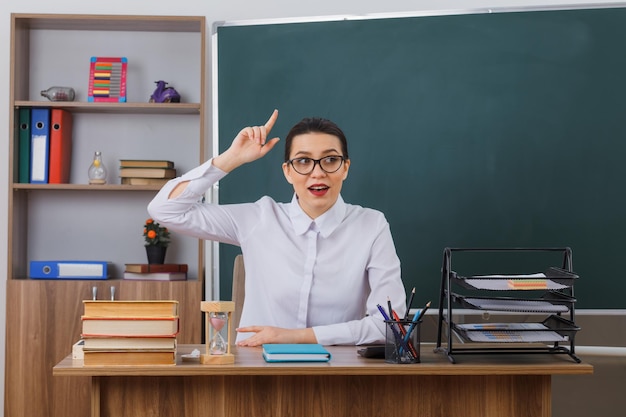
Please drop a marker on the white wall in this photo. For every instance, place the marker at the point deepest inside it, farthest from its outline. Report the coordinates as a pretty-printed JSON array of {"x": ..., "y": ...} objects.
[{"x": 214, "y": 11}]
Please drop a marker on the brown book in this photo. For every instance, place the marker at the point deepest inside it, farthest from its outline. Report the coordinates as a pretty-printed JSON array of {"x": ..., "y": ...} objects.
[
  {"x": 145, "y": 163},
  {"x": 148, "y": 172},
  {"x": 127, "y": 343},
  {"x": 146, "y": 268},
  {"x": 156, "y": 276},
  {"x": 130, "y": 308},
  {"x": 129, "y": 326},
  {"x": 133, "y": 357},
  {"x": 144, "y": 181}
]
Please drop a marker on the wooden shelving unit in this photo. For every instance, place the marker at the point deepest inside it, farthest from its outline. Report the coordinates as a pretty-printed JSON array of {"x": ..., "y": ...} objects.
[{"x": 82, "y": 221}]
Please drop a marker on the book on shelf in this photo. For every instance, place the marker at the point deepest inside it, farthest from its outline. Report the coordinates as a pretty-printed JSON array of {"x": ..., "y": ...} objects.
[
  {"x": 144, "y": 181},
  {"x": 129, "y": 343},
  {"x": 148, "y": 172},
  {"x": 130, "y": 308},
  {"x": 129, "y": 326},
  {"x": 145, "y": 268},
  {"x": 146, "y": 163},
  {"x": 131, "y": 357},
  {"x": 300, "y": 352},
  {"x": 155, "y": 276}
]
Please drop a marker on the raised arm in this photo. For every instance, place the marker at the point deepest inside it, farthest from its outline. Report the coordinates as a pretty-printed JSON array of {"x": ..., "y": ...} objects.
[{"x": 249, "y": 145}]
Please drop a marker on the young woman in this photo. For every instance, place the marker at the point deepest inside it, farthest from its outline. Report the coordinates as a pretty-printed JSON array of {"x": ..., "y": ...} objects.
[{"x": 316, "y": 267}]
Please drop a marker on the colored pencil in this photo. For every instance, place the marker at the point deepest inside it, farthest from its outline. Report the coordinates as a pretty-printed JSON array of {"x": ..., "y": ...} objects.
[{"x": 409, "y": 303}]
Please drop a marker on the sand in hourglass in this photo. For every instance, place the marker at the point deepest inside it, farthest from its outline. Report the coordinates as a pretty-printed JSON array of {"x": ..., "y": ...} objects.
[{"x": 218, "y": 345}]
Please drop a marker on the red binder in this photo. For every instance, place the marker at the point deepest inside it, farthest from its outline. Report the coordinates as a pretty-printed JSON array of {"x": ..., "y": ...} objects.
[{"x": 60, "y": 146}]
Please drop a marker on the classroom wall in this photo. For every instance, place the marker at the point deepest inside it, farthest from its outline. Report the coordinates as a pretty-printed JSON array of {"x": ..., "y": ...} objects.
[{"x": 215, "y": 11}]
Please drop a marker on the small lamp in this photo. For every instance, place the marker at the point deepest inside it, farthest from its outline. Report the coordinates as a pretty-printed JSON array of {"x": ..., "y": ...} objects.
[{"x": 217, "y": 315}]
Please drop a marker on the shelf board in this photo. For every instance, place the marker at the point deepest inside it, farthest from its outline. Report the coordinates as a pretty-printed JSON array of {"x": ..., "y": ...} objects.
[
  {"x": 86, "y": 187},
  {"x": 112, "y": 280},
  {"x": 119, "y": 108},
  {"x": 110, "y": 22}
]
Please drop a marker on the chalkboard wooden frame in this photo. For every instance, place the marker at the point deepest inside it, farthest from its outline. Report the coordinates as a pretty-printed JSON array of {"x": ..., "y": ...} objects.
[{"x": 489, "y": 128}]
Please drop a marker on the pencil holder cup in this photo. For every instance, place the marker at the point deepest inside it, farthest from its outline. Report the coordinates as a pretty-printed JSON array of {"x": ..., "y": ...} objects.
[{"x": 402, "y": 343}]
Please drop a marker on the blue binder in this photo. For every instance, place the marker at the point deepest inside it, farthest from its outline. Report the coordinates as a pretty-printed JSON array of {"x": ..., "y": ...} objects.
[
  {"x": 39, "y": 145},
  {"x": 69, "y": 269}
]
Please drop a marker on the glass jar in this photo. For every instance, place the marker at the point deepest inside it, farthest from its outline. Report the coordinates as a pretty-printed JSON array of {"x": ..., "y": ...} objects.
[
  {"x": 97, "y": 172},
  {"x": 59, "y": 93}
]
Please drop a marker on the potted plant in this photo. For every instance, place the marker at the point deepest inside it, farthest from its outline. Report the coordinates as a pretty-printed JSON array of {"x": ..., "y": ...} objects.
[{"x": 156, "y": 240}]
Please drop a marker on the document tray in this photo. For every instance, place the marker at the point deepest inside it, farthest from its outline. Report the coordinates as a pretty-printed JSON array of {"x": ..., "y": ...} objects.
[{"x": 552, "y": 329}]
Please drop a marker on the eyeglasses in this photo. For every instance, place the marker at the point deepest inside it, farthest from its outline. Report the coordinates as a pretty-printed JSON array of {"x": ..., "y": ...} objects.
[{"x": 328, "y": 164}]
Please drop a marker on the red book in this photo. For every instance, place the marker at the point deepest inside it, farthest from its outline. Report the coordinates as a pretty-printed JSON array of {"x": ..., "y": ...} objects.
[
  {"x": 60, "y": 146},
  {"x": 151, "y": 268}
]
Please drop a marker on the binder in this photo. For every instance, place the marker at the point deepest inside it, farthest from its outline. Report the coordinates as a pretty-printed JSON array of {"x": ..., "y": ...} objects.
[
  {"x": 39, "y": 145},
  {"x": 60, "y": 146},
  {"x": 69, "y": 269},
  {"x": 23, "y": 147}
]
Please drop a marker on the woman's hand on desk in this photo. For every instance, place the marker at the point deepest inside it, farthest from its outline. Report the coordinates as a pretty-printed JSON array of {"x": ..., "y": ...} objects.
[{"x": 269, "y": 334}]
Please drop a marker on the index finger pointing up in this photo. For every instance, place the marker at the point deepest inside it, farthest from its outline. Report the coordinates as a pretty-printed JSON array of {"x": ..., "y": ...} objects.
[{"x": 270, "y": 122}]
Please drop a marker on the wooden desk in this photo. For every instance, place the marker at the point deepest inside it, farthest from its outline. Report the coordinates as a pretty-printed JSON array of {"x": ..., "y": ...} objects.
[{"x": 348, "y": 385}]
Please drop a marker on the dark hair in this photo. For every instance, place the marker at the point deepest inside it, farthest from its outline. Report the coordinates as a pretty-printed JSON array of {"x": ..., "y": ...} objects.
[{"x": 315, "y": 125}]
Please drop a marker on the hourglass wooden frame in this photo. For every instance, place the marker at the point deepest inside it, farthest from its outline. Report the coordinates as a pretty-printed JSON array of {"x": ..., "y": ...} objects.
[{"x": 209, "y": 307}]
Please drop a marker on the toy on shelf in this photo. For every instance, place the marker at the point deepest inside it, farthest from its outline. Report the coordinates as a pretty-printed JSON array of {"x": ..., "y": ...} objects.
[
  {"x": 107, "y": 79},
  {"x": 164, "y": 94}
]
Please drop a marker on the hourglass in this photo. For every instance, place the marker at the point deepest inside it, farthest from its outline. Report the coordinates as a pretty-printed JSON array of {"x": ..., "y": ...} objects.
[
  {"x": 217, "y": 315},
  {"x": 217, "y": 344}
]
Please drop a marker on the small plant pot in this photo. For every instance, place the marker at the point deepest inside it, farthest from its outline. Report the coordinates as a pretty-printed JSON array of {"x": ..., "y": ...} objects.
[{"x": 156, "y": 254}]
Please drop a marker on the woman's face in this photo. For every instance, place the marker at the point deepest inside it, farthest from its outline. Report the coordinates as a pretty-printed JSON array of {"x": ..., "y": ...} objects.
[{"x": 318, "y": 190}]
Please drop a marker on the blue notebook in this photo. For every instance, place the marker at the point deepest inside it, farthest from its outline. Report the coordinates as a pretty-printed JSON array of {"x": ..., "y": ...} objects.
[{"x": 303, "y": 352}]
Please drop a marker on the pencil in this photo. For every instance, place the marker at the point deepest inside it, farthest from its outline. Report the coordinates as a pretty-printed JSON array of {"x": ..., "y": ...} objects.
[
  {"x": 396, "y": 335},
  {"x": 416, "y": 318},
  {"x": 426, "y": 307},
  {"x": 409, "y": 303},
  {"x": 412, "y": 350}
]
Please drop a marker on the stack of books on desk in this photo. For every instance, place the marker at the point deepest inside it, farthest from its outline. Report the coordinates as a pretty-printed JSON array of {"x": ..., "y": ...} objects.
[
  {"x": 156, "y": 272},
  {"x": 129, "y": 332},
  {"x": 146, "y": 171}
]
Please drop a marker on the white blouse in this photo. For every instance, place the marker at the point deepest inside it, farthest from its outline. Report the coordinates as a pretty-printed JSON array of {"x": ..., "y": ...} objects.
[{"x": 328, "y": 274}]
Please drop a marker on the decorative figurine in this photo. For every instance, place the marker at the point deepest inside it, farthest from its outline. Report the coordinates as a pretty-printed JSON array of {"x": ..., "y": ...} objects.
[
  {"x": 217, "y": 316},
  {"x": 164, "y": 94}
]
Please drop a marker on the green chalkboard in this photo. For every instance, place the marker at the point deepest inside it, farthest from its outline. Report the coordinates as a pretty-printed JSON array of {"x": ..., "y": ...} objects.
[{"x": 469, "y": 130}]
